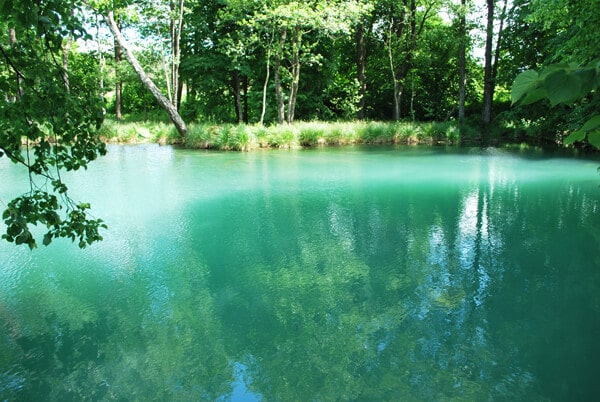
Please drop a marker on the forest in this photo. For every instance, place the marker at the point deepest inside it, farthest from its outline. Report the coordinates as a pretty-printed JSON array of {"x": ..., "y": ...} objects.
[{"x": 73, "y": 72}]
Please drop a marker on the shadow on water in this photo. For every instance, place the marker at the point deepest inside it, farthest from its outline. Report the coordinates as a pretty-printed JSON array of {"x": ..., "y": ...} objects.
[{"x": 344, "y": 275}]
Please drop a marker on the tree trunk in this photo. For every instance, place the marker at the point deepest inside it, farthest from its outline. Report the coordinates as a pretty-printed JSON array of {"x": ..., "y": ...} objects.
[
  {"x": 118, "y": 82},
  {"x": 296, "y": 44},
  {"x": 360, "y": 71},
  {"x": 265, "y": 86},
  {"x": 406, "y": 31},
  {"x": 488, "y": 83},
  {"x": 277, "y": 78},
  {"x": 245, "y": 116},
  {"x": 462, "y": 61},
  {"x": 498, "y": 44},
  {"x": 176, "y": 30},
  {"x": 146, "y": 81},
  {"x": 100, "y": 59},
  {"x": 237, "y": 96},
  {"x": 397, "y": 94},
  {"x": 179, "y": 94}
]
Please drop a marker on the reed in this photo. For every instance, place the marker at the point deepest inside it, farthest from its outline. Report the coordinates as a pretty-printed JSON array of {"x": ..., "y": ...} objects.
[{"x": 285, "y": 136}]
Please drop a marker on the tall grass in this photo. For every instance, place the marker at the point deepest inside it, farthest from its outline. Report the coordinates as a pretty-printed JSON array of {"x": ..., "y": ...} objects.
[
  {"x": 137, "y": 132},
  {"x": 287, "y": 136}
]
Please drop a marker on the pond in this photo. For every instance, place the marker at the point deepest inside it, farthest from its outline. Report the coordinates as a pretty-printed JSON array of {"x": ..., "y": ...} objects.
[{"x": 408, "y": 273}]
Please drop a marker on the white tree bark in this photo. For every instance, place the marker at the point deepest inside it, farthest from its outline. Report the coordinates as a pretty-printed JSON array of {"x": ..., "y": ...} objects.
[{"x": 162, "y": 100}]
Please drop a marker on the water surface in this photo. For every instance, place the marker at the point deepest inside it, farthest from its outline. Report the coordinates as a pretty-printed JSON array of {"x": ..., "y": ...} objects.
[{"x": 409, "y": 273}]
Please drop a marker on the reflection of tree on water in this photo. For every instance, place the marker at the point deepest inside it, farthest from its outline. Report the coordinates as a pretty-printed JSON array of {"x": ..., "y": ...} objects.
[
  {"x": 335, "y": 315},
  {"x": 87, "y": 335},
  {"x": 371, "y": 291}
]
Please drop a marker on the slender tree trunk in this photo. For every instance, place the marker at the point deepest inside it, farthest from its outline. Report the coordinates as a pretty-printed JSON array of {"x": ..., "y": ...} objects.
[
  {"x": 360, "y": 71},
  {"x": 279, "y": 92},
  {"x": 146, "y": 81},
  {"x": 168, "y": 79},
  {"x": 265, "y": 86},
  {"x": 100, "y": 59},
  {"x": 237, "y": 97},
  {"x": 397, "y": 90},
  {"x": 245, "y": 116},
  {"x": 407, "y": 31},
  {"x": 176, "y": 30},
  {"x": 296, "y": 44},
  {"x": 277, "y": 78},
  {"x": 118, "y": 81},
  {"x": 498, "y": 45},
  {"x": 412, "y": 98},
  {"x": 488, "y": 83},
  {"x": 462, "y": 61},
  {"x": 12, "y": 37},
  {"x": 179, "y": 94}
]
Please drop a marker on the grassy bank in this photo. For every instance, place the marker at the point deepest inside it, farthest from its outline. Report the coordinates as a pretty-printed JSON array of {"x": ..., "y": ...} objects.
[{"x": 297, "y": 135}]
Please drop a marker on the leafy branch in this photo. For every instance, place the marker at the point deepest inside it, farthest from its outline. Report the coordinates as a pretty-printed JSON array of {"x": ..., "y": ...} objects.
[{"x": 562, "y": 84}]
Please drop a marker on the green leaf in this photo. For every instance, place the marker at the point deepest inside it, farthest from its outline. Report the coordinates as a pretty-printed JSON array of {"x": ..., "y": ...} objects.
[
  {"x": 524, "y": 82},
  {"x": 588, "y": 80},
  {"x": 534, "y": 95},
  {"x": 47, "y": 239},
  {"x": 594, "y": 138},
  {"x": 591, "y": 124},
  {"x": 574, "y": 136},
  {"x": 562, "y": 87}
]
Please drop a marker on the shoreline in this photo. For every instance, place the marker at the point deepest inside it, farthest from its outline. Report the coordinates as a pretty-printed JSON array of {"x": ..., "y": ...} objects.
[{"x": 307, "y": 135}]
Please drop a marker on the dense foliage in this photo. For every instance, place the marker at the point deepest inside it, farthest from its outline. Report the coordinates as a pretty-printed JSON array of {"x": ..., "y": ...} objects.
[{"x": 48, "y": 120}]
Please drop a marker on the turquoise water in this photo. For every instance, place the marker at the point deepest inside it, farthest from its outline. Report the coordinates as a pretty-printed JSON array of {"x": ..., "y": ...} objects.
[{"x": 371, "y": 274}]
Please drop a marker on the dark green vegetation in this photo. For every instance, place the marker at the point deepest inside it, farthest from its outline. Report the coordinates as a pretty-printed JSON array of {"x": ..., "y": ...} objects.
[
  {"x": 224, "y": 70},
  {"x": 341, "y": 273}
]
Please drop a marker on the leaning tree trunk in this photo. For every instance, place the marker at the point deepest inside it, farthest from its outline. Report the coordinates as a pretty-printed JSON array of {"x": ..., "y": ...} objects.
[{"x": 146, "y": 81}]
